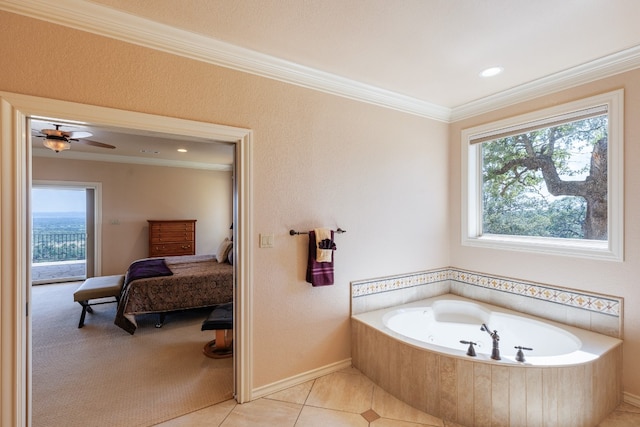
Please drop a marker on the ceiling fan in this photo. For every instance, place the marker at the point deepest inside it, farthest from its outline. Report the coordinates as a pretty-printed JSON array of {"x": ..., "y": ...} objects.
[{"x": 59, "y": 140}]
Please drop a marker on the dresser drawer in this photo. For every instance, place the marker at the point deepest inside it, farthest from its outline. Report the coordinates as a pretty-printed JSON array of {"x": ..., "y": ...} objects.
[
  {"x": 171, "y": 227},
  {"x": 171, "y": 236},
  {"x": 172, "y": 249}
]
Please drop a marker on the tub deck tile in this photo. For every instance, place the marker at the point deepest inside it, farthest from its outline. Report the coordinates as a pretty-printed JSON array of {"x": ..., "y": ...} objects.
[
  {"x": 534, "y": 390},
  {"x": 415, "y": 383},
  {"x": 432, "y": 380},
  {"x": 482, "y": 394},
  {"x": 465, "y": 392},
  {"x": 518, "y": 397},
  {"x": 571, "y": 396},
  {"x": 448, "y": 388},
  {"x": 550, "y": 396},
  {"x": 500, "y": 396}
]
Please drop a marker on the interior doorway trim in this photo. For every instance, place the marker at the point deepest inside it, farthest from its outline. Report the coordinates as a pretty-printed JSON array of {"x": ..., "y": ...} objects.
[{"x": 15, "y": 185}]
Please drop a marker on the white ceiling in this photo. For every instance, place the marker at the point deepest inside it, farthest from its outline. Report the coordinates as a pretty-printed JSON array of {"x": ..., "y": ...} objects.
[
  {"x": 420, "y": 56},
  {"x": 139, "y": 147},
  {"x": 431, "y": 50}
]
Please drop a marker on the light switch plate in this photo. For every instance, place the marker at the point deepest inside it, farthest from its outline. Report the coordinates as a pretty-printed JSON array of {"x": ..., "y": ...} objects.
[{"x": 266, "y": 240}]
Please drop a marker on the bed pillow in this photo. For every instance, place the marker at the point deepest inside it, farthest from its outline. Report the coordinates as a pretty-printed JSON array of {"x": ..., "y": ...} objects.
[
  {"x": 223, "y": 250},
  {"x": 230, "y": 256}
]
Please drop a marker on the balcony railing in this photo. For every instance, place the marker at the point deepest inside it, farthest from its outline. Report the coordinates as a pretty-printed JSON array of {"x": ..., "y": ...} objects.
[{"x": 53, "y": 247}]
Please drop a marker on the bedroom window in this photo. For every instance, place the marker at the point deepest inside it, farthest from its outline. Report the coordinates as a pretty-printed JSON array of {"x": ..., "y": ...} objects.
[{"x": 549, "y": 181}]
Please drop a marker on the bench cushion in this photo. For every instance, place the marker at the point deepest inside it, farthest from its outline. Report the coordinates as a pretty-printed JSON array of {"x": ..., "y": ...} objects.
[
  {"x": 220, "y": 318},
  {"x": 99, "y": 287}
]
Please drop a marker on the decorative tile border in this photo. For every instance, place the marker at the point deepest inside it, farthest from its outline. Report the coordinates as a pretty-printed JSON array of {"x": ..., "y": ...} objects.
[
  {"x": 592, "y": 302},
  {"x": 375, "y": 286},
  {"x": 609, "y": 305}
]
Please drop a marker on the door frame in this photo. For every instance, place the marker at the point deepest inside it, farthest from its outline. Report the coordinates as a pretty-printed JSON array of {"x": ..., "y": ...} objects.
[{"x": 15, "y": 277}]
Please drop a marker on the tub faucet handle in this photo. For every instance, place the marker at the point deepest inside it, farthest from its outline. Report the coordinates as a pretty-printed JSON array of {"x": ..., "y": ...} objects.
[
  {"x": 520, "y": 353},
  {"x": 471, "y": 351}
]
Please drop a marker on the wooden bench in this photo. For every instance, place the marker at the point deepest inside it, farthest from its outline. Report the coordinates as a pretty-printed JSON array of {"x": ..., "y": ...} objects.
[
  {"x": 97, "y": 288},
  {"x": 221, "y": 321}
]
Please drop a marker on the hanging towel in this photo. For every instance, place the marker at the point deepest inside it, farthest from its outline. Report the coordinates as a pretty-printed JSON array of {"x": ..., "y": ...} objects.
[
  {"x": 324, "y": 243},
  {"x": 318, "y": 273}
]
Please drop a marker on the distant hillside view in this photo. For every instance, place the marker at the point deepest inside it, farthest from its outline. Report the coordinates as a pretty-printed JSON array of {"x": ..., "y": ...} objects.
[
  {"x": 59, "y": 222},
  {"x": 58, "y": 236}
]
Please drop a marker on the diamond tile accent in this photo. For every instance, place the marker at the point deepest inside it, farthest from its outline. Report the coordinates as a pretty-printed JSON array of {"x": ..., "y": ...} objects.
[{"x": 370, "y": 415}]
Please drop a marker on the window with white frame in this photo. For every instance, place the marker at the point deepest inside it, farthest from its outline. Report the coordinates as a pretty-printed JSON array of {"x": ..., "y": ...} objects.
[{"x": 549, "y": 181}]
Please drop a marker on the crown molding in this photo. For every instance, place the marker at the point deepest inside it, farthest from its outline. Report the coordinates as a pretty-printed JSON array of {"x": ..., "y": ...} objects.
[
  {"x": 619, "y": 62},
  {"x": 104, "y": 21},
  {"x": 107, "y": 22}
]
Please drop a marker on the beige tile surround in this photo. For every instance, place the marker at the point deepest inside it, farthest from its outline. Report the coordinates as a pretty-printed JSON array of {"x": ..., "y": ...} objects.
[
  {"x": 594, "y": 312},
  {"x": 489, "y": 394},
  {"x": 475, "y": 393}
]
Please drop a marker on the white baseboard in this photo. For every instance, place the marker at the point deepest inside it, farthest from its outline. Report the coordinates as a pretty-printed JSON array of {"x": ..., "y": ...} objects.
[
  {"x": 631, "y": 399},
  {"x": 268, "y": 389}
]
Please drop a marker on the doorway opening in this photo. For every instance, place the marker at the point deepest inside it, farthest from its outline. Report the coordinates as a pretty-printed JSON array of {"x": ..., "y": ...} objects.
[
  {"x": 64, "y": 237},
  {"x": 127, "y": 225}
]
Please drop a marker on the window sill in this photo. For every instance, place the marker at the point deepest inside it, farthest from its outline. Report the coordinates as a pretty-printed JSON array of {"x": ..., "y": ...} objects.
[{"x": 593, "y": 249}]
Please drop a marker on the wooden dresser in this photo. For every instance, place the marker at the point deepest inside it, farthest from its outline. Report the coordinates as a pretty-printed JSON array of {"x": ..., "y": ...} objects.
[{"x": 172, "y": 237}]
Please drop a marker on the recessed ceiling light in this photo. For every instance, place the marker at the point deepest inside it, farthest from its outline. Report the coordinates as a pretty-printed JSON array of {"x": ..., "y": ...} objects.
[
  {"x": 491, "y": 71},
  {"x": 182, "y": 150}
]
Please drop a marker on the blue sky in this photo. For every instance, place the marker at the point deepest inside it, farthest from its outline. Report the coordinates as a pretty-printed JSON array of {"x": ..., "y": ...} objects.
[{"x": 56, "y": 200}]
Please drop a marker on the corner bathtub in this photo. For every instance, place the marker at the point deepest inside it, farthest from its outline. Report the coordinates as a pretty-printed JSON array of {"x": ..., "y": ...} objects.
[{"x": 572, "y": 377}]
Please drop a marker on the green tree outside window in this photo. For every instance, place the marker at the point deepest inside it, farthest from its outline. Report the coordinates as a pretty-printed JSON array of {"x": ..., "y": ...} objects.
[{"x": 548, "y": 182}]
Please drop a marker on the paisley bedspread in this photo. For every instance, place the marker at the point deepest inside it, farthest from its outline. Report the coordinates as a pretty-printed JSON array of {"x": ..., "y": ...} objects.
[{"x": 197, "y": 281}]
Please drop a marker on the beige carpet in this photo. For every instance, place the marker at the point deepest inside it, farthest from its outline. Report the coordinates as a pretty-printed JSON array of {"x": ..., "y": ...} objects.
[{"x": 100, "y": 375}]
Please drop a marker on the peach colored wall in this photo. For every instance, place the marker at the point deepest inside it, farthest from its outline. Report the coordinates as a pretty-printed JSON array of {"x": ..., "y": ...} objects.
[
  {"x": 318, "y": 160},
  {"x": 614, "y": 278},
  {"x": 131, "y": 194}
]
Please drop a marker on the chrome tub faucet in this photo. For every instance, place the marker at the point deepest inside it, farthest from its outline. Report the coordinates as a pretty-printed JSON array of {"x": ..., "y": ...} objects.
[{"x": 495, "y": 352}]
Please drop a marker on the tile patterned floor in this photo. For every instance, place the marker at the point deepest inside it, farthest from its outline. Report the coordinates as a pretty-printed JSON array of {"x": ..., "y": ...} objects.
[
  {"x": 624, "y": 416},
  {"x": 342, "y": 399}
]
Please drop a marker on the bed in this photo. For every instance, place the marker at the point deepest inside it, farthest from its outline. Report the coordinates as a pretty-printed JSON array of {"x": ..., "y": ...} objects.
[{"x": 161, "y": 285}]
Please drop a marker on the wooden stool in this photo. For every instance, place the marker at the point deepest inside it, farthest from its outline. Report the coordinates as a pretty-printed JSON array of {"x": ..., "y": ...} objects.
[
  {"x": 220, "y": 320},
  {"x": 96, "y": 288}
]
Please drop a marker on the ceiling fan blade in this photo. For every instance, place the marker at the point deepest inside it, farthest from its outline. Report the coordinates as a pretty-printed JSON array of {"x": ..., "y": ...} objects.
[{"x": 93, "y": 143}]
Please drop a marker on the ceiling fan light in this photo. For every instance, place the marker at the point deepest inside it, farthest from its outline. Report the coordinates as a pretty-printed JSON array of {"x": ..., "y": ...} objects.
[{"x": 56, "y": 145}]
